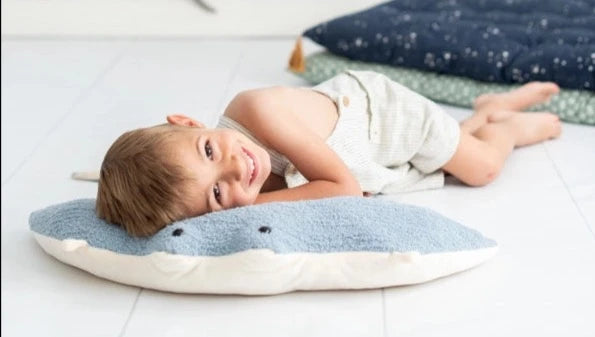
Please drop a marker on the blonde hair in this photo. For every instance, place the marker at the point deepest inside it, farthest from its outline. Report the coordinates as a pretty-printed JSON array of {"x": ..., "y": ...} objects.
[{"x": 140, "y": 188}]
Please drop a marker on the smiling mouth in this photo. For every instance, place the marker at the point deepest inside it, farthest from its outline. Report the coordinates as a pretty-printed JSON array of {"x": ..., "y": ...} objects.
[{"x": 252, "y": 166}]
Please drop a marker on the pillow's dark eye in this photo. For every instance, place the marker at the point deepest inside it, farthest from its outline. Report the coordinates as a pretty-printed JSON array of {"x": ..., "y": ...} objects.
[
  {"x": 265, "y": 229},
  {"x": 208, "y": 150},
  {"x": 217, "y": 193}
]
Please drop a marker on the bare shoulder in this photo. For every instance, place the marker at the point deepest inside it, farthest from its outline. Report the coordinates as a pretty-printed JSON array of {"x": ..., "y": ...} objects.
[
  {"x": 266, "y": 111},
  {"x": 248, "y": 102},
  {"x": 262, "y": 110}
]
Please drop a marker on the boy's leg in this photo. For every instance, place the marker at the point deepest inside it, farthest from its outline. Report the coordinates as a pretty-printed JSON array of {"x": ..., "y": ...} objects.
[
  {"x": 497, "y": 107},
  {"x": 519, "y": 99},
  {"x": 480, "y": 156}
]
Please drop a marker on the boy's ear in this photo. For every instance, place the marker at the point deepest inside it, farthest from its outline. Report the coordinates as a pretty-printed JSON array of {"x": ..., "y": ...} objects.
[{"x": 183, "y": 120}]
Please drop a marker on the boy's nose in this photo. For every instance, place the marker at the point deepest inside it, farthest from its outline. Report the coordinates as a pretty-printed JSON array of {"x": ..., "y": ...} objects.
[{"x": 233, "y": 168}]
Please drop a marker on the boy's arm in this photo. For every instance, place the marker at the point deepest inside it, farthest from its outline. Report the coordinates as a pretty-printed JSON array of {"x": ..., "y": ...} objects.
[{"x": 327, "y": 174}]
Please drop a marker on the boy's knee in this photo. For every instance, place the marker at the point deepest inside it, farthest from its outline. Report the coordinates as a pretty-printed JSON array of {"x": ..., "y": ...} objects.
[{"x": 486, "y": 172}]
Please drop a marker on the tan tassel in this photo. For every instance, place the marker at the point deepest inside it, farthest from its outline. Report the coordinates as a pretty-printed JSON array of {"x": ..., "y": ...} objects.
[
  {"x": 297, "y": 63},
  {"x": 86, "y": 175}
]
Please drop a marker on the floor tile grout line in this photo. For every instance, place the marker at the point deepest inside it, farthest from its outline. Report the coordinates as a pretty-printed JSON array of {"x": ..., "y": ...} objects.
[
  {"x": 384, "y": 322},
  {"x": 140, "y": 290},
  {"x": 79, "y": 98},
  {"x": 580, "y": 211}
]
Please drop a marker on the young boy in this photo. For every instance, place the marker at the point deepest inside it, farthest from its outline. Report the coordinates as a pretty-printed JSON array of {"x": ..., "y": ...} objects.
[{"x": 358, "y": 132}]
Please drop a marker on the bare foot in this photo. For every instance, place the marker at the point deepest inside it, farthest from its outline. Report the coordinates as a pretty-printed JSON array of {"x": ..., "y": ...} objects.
[
  {"x": 519, "y": 99},
  {"x": 482, "y": 117},
  {"x": 499, "y": 115},
  {"x": 491, "y": 108},
  {"x": 535, "y": 127}
]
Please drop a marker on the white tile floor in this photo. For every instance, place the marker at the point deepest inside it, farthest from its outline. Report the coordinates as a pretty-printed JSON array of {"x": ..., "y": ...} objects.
[{"x": 64, "y": 102}]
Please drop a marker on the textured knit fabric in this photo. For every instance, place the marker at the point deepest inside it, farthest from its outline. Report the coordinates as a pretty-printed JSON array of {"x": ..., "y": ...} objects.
[
  {"x": 575, "y": 106},
  {"x": 278, "y": 161},
  {"x": 392, "y": 139},
  {"x": 497, "y": 41}
]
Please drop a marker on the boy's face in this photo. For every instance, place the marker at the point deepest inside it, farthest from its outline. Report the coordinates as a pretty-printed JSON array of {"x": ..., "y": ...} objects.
[{"x": 229, "y": 169}]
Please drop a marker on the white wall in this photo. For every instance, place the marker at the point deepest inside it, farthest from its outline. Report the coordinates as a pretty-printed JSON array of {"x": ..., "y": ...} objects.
[{"x": 168, "y": 18}]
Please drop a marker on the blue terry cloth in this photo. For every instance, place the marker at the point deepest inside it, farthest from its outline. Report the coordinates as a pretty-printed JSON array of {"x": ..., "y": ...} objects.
[{"x": 340, "y": 224}]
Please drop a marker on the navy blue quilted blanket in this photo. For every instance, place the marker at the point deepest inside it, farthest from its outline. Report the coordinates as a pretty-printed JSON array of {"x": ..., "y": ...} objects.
[{"x": 503, "y": 41}]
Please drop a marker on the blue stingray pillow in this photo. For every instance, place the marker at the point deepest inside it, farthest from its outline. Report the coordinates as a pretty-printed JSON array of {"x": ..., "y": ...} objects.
[
  {"x": 494, "y": 41},
  {"x": 334, "y": 243}
]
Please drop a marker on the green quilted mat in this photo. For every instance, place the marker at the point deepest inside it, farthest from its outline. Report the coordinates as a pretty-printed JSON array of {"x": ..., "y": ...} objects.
[{"x": 575, "y": 106}]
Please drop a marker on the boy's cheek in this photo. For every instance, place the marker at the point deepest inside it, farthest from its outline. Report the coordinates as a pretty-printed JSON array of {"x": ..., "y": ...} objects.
[
  {"x": 252, "y": 199},
  {"x": 245, "y": 200}
]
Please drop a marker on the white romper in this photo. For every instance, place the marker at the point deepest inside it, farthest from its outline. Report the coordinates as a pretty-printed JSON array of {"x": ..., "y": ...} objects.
[{"x": 392, "y": 139}]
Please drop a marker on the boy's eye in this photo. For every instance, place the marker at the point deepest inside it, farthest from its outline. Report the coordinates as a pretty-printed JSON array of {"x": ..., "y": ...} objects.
[
  {"x": 217, "y": 193},
  {"x": 208, "y": 150}
]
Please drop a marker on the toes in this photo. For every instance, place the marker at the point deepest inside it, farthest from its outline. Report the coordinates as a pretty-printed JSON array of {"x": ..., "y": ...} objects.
[
  {"x": 552, "y": 87},
  {"x": 547, "y": 114},
  {"x": 549, "y": 89},
  {"x": 544, "y": 88},
  {"x": 557, "y": 130},
  {"x": 555, "y": 118},
  {"x": 555, "y": 124}
]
